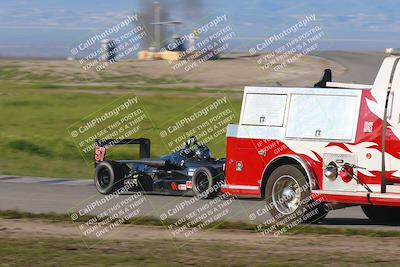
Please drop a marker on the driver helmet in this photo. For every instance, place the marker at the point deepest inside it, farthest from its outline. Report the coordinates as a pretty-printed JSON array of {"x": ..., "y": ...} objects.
[{"x": 202, "y": 152}]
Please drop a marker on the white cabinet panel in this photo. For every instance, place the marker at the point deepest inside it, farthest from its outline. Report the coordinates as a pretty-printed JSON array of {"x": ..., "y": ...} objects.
[
  {"x": 331, "y": 117},
  {"x": 264, "y": 109}
]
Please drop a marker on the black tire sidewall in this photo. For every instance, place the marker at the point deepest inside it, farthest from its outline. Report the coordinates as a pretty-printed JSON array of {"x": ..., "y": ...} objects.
[
  {"x": 116, "y": 175},
  {"x": 302, "y": 180},
  {"x": 212, "y": 176},
  {"x": 382, "y": 214},
  {"x": 319, "y": 212}
]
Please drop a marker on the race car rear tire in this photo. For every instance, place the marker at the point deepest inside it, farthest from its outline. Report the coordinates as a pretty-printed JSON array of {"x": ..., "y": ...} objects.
[
  {"x": 382, "y": 214},
  {"x": 109, "y": 177},
  {"x": 287, "y": 193},
  {"x": 206, "y": 182}
]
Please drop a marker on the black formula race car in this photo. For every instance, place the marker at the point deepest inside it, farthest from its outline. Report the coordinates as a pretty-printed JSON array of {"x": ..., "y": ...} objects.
[{"x": 189, "y": 171}]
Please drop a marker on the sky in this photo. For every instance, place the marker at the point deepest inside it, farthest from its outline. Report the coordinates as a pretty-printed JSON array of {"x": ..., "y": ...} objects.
[{"x": 50, "y": 28}]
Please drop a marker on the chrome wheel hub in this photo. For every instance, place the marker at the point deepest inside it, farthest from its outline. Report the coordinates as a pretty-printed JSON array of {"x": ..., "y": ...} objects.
[{"x": 286, "y": 194}]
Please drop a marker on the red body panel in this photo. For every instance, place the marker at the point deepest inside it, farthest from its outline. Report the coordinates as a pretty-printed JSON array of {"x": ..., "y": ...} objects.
[
  {"x": 368, "y": 142},
  {"x": 341, "y": 199}
]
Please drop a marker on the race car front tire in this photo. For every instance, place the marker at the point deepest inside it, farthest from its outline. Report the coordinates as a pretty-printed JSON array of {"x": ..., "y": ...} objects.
[
  {"x": 206, "y": 182},
  {"x": 108, "y": 177}
]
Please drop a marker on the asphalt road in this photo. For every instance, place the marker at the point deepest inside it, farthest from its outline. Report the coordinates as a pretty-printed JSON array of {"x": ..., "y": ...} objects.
[
  {"x": 77, "y": 197},
  {"x": 41, "y": 195},
  {"x": 362, "y": 67}
]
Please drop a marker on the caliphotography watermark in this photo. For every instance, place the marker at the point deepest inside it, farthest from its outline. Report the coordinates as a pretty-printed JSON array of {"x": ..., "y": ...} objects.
[
  {"x": 119, "y": 41},
  {"x": 288, "y": 210},
  {"x": 98, "y": 218},
  {"x": 206, "y": 121},
  {"x": 289, "y": 204},
  {"x": 206, "y": 42},
  {"x": 124, "y": 118},
  {"x": 193, "y": 215},
  {"x": 288, "y": 46},
  {"x": 274, "y": 147}
]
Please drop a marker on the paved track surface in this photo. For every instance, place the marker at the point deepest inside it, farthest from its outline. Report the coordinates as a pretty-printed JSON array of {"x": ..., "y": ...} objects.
[
  {"x": 362, "y": 67},
  {"x": 42, "y": 195}
]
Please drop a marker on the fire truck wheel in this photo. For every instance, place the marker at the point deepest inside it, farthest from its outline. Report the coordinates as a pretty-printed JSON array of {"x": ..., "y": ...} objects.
[
  {"x": 206, "y": 182},
  {"x": 108, "y": 177},
  {"x": 382, "y": 214},
  {"x": 145, "y": 182},
  {"x": 316, "y": 212},
  {"x": 287, "y": 193}
]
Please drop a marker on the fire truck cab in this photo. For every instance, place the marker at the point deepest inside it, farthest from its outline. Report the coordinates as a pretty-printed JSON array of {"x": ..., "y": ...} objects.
[{"x": 331, "y": 143}]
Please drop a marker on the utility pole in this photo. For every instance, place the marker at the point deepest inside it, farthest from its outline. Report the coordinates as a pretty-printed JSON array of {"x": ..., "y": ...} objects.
[{"x": 157, "y": 29}]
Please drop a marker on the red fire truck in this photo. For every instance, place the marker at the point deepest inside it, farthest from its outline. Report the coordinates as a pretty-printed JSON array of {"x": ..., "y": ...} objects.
[{"x": 333, "y": 143}]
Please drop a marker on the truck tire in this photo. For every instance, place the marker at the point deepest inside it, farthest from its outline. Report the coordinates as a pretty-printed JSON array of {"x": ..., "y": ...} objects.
[
  {"x": 206, "y": 182},
  {"x": 316, "y": 214},
  {"x": 287, "y": 193},
  {"x": 382, "y": 214},
  {"x": 109, "y": 177}
]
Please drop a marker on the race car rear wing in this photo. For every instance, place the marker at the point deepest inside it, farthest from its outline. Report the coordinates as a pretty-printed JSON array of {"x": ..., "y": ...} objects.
[{"x": 101, "y": 144}]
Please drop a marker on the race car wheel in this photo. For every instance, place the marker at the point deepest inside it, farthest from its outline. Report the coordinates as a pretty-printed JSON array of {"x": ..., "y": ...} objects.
[
  {"x": 108, "y": 177},
  {"x": 206, "y": 182},
  {"x": 382, "y": 214},
  {"x": 287, "y": 193}
]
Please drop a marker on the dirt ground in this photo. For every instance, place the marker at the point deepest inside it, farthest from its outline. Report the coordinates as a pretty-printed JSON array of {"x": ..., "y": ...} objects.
[
  {"x": 324, "y": 250},
  {"x": 231, "y": 71}
]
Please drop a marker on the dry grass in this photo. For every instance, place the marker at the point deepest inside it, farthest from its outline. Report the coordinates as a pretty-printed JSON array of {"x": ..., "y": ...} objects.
[{"x": 234, "y": 71}]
